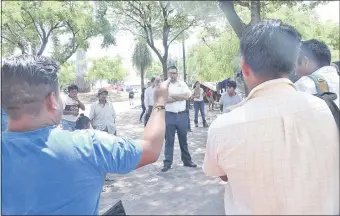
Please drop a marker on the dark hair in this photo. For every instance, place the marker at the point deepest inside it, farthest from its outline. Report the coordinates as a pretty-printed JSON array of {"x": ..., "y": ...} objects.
[
  {"x": 153, "y": 79},
  {"x": 81, "y": 122},
  {"x": 196, "y": 83},
  {"x": 270, "y": 48},
  {"x": 316, "y": 51},
  {"x": 172, "y": 67},
  {"x": 72, "y": 87},
  {"x": 231, "y": 84},
  {"x": 26, "y": 82}
]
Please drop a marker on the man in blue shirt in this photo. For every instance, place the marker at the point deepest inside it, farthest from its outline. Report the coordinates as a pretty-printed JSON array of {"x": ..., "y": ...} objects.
[{"x": 47, "y": 170}]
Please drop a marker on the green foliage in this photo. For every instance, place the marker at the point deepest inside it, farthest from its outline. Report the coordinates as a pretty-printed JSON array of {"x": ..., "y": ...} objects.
[
  {"x": 31, "y": 25},
  {"x": 141, "y": 57},
  {"x": 216, "y": 58},
  {"x": 153, "y": 71},
  {"x": 67, "y": 74},
  {"x": 106, "y": 68},
  {"x": 215, "y": 62}
]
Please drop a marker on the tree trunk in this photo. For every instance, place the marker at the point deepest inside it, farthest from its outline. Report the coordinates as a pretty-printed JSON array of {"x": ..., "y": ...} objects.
[
  {"x": 142, "y": 78},
  {"x": 184, "y": 63},
  {"x": 255, "y": 12},
  {"x": 234, "y": 20},
  {"x": 165, "y": 69}
]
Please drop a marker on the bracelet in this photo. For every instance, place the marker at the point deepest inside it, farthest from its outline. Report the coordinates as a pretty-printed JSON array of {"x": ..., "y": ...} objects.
[{"x": 159, "y": 107}]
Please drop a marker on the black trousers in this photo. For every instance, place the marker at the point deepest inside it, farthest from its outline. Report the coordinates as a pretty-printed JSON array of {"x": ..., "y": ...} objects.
[
  {"x": 176, "y": 122},
  {"x": 143, "y": 111},
  {"x": 147, "y": 115}
]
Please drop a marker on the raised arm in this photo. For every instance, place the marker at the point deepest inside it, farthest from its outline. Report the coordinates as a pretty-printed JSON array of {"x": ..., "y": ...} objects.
[{"x": 118, "y": 155}]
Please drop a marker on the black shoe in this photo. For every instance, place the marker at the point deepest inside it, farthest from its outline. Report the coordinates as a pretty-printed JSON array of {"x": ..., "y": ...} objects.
[
  {"x": 190, "y": 164},
  {"x": 196, "y": 125},
  {"x": 166, "y": 168},
  {"x": 205, "y": 125}
]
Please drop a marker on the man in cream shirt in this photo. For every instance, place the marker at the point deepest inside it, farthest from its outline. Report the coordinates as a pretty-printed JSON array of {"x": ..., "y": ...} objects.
[
  {"x": 176, "y": 118},
  {"x": 278, "y": 150},
  {"x": 102, "y": 113}
]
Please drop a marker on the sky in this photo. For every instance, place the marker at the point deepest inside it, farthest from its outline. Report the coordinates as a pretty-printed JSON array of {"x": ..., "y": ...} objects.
[{"x": 125, "y": 41}]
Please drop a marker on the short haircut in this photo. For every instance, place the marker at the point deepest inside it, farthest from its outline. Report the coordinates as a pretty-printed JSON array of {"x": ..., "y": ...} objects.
[
  {"x": 270, "y": 48},
  {"x": 316, "y": 51},
  {"x": 27, "y": 80},
  {"x": 153, "y": 79},
  {"x": 81, "y": 122},
  {"x": 231, "y": 84},
  {"x": 72, "y": 87},
  {"x": 172, "y": 67}
]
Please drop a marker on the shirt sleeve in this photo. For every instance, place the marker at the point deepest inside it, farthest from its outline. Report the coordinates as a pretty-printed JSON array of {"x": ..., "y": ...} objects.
[
  {"x": 114, "y": 154},
  {"x": 186, "y": 88},
  {"x": 91, "y": 115},
  {"x": 210, "y": 164},
  {"x": 146, "y": 96},
  {"x": 221, "y": 99}
]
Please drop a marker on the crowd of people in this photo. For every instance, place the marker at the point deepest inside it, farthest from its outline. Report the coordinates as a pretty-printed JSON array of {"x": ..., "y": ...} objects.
[{"x": 277, "y": 149}]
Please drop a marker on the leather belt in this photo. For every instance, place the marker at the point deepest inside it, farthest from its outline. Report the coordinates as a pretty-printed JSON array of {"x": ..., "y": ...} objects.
[{"x": 181, "y": 112}]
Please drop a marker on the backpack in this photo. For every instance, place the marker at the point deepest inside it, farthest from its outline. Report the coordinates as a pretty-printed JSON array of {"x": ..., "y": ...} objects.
[{"x": 322, "y": 90}]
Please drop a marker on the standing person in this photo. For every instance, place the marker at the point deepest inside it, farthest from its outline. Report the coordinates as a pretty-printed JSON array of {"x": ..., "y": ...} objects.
[
  {"x": 131, "y": 97},
  {"x": 176, "y": 119},
  {"x": 71, "y": 108},
  {"x": 187, "y": 103},
  {"x": 103, "y": 114},
  {"x": 314, "y": 66},
  {"x": 66, "y": 169},
  {"x": 198, "y": 94},
  {"x": 210, "y": 98},
  {"x": 278, "y": 150},
  {"x": 230, "y": 97},
  {"x": 142, "y": 102},
  {"x": 148, "y": 100}
]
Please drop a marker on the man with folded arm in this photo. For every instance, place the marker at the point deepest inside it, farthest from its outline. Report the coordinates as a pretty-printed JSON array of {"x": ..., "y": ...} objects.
[{"x": 66, "y": 169}]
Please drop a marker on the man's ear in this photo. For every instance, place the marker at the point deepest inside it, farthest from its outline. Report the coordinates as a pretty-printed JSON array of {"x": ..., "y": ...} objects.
[
  {"x": 245, "y": 68},
  {"x": 52, "y": 101},
  {"x": 305, "y": 61}
]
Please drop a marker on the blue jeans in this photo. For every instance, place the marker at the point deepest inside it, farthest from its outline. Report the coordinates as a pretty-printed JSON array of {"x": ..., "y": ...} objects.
[
  {"x": 199, "y": 106},
  {"x": 176, "y": 122},
  {"x": 68, "y": 125}
]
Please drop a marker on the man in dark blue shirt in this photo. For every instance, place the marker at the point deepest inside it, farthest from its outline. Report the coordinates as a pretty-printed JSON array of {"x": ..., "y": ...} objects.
[{"x": 48, "y": 170}]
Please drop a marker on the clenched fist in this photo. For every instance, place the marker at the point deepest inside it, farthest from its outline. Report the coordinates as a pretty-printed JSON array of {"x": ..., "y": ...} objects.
[{"x": 161, "y": 92}]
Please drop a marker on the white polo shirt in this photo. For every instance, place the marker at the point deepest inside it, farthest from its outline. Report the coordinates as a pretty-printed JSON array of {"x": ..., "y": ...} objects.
[
  {"x": 148, "y": 96},
  {"x": 178, "y": 87},
  {"x": 280, "y": 150},
  {"x": 329, "y": 73}
]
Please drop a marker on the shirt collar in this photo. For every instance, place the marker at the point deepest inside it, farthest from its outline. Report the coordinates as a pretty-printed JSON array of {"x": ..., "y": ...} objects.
[
  {"x": 271, "y": 84},
  {"x": 326, "y": 69}
]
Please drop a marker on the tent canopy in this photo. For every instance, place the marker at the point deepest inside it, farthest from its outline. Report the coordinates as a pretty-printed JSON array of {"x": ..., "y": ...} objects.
[{"x": 209, "y": 85}]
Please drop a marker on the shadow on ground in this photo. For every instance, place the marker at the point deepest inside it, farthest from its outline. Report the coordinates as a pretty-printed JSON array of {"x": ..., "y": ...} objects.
[{"x": 181, "y": 190}]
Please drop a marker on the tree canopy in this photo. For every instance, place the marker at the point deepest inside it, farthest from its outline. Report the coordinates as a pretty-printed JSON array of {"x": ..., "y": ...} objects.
[
  {"x": 107, "y": 68},
  {"x": 141, "y": 59},
  {"x": 217, "y": 58},
  {"x": 31, "y": 25},
  {"x": 152, "y": 21}
]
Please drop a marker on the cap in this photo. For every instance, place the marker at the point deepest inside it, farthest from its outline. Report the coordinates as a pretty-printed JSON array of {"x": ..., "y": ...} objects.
[{"x": 101, "y": 90}]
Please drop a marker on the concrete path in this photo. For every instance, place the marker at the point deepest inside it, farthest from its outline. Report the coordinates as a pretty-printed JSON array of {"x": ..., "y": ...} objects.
[{"x": 148, "y": 191}]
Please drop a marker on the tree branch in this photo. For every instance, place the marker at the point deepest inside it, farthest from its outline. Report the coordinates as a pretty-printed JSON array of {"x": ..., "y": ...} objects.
[
  {"x": 35, "y": 25},
  {"x": 192, "y": 22},
  {"x": 234, "y": 20}
]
